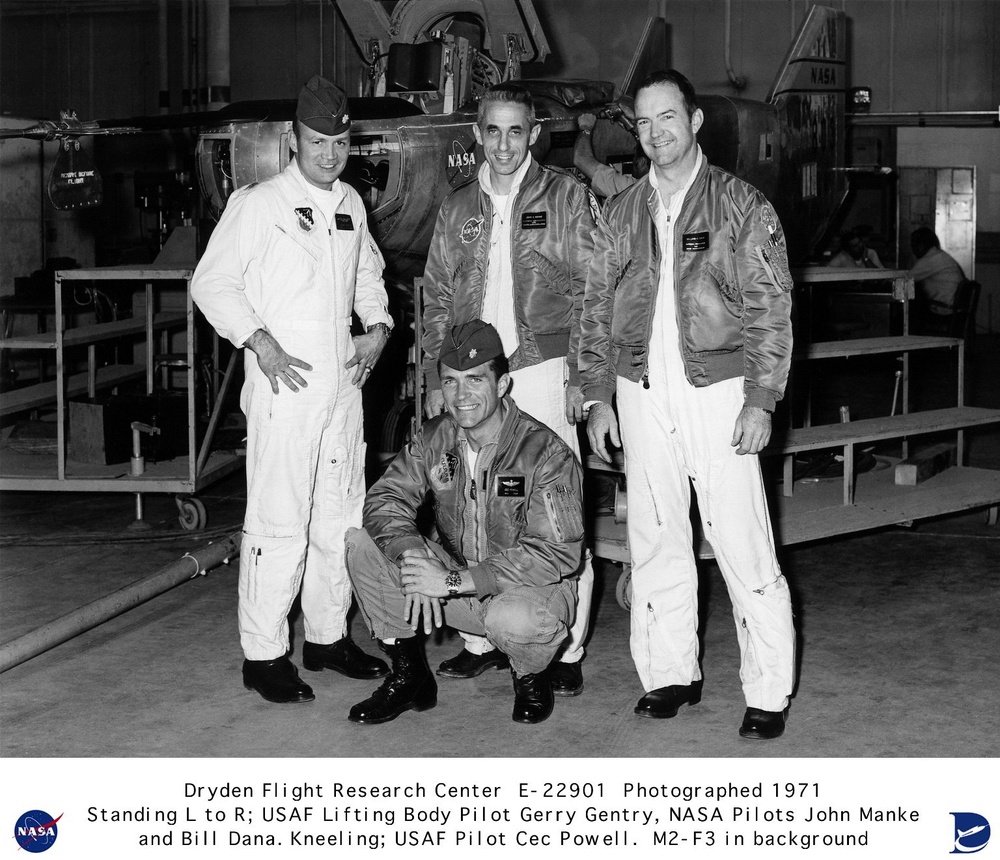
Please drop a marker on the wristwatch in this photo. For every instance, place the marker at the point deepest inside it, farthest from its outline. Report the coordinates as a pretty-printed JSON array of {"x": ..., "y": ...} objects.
[
  {"x": 381, "y": 327},
  {"x": 453, "y": 582}
]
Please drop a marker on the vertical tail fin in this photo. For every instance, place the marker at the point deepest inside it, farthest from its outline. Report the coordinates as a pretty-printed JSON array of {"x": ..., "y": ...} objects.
[{"x": 809, "y": 94}]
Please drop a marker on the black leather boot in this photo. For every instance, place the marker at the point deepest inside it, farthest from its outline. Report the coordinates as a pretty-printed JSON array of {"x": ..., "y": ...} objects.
[
  {"x": 533, "y": 698},
  {"x": 762, "y": 725},
  {"x": 409, "y": 687},
  {"x": 343, "y": 656},
  {"x": 276, "y": 680},
  {"x": 465, "y": 664}
]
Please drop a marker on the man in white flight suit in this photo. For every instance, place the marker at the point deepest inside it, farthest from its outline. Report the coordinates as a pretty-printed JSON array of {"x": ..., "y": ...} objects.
[
  {"x": 687, "y": 323},
  {"x": 288, "y": 263}
]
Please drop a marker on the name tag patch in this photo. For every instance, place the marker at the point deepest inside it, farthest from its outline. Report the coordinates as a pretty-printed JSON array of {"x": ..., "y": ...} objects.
[
  {"x": 534, "y": 220},
  {"x": 510, "y": 485},
  {"x": 694, "y": 241},
  {"x": 344, "y": 221}
]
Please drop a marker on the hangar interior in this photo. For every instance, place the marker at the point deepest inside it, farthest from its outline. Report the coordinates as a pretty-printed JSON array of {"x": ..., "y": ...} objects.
[{"x": 897, "y": 625}]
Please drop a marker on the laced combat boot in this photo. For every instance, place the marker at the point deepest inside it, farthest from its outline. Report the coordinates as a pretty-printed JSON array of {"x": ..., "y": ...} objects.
[
  {"x": 409, "y": 687},
  {"x": 533, "y": 698}
]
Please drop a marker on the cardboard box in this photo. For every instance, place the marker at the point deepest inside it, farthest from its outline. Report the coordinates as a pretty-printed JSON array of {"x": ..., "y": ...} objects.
[{"x": 100, "y": 429}]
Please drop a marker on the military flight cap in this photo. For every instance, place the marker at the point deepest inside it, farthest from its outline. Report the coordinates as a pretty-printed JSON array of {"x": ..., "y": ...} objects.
[
  {"x": 470, "y": 344},
  {"x": 322, "y": 107}
]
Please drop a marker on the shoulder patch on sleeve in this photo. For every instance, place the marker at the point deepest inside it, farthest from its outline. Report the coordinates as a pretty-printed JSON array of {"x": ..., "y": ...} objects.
[
  {"x": 565, "y": 513},
  {"x": 376, "y": 252},
  {"x": 769, "y": 219}
]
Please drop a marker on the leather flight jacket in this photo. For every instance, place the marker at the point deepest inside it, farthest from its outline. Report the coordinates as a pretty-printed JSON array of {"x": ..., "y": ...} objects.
[
  {"x": 553, "y": 221},
  {"x": 527, "y": 506},
  {"x": 733, "y": 294}
]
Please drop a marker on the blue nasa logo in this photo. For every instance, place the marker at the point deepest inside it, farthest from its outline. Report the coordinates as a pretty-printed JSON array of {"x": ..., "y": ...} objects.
[
  {"x": 972, "y": 833},
  {"x": 36, "y": 831}
]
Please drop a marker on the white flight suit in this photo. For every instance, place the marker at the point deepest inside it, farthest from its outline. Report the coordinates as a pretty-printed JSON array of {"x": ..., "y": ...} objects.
[
  {"x": 276, "y": 262},
  {"x": 671, "y": 433}
]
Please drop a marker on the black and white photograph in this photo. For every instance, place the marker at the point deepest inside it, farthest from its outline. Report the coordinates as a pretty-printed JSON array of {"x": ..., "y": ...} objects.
[{"x": 335, "y": 331}]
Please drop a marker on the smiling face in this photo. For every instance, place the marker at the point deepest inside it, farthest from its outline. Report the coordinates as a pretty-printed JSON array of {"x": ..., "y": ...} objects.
[
  {"x": 472, "y": 398},
  {"x": 321, "y": 157},
  {"x": 666, "y": 132},
  {"x": 505, "y": 133}
]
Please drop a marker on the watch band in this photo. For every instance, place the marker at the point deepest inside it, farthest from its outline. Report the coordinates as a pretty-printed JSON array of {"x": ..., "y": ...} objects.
[{"x": 381, "y": 326}]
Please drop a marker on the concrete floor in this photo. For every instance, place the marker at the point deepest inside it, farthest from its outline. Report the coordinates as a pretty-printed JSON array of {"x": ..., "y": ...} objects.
[{"x": 899, "y": 635}]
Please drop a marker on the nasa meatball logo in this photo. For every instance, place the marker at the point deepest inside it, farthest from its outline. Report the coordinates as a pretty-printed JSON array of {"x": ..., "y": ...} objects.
[
  {"x": 461, "y": 161},
  {"x": 471, "y": 230},
  {"x": 36, "y": 831},
  {"x": 972, "y": 833}
]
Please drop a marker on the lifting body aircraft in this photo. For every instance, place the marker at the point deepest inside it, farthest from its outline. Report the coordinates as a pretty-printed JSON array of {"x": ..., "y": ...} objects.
[{"x": 412, "y": 140}]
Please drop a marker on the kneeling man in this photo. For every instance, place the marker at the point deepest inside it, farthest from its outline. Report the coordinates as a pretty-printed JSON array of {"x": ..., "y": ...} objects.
[{"x": 506, "y": 497}]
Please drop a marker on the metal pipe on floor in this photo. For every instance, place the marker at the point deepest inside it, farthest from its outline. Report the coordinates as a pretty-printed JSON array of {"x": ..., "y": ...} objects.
[{"x": 105, "y": 608}]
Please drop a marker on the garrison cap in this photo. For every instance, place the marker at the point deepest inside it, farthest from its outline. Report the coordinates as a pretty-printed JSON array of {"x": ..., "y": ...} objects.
[
  {"x": 470, "y": 344},
  {"x": 323, "y": 107}
]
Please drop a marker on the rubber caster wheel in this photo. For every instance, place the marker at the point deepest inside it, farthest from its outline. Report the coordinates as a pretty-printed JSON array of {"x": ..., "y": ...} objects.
[
  {"x": 623, "y": 590},
  {"x": 192, "y": 513}
]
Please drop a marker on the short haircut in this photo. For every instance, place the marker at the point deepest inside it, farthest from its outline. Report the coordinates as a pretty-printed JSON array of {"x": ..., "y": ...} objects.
[
  {"x": 499, "y": 365},
  {"x": 672, "y": 76},
  {"x": 925, "y": 237},
  {"x": 507, "y": 93}
]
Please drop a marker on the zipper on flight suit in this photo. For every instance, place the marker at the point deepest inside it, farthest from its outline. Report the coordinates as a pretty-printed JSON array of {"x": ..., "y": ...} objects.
[
  {"x": 652, "y": 305},
  {"x": 474, "y": 499}
]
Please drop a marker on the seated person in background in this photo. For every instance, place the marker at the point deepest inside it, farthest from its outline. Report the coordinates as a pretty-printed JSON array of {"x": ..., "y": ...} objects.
[
  {"x": 854, "y": 252},
  {"x": 506, "y": 493},
  {"x": 936, "y": 273},
  {"x": 604, "y": 179}
]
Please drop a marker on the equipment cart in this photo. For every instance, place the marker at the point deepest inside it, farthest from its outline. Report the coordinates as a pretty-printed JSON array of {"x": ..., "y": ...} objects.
[{"x": 182, "y": 475}]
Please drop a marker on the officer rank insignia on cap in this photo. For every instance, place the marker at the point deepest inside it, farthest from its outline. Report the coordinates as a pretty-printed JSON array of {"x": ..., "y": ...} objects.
[
  {"x": 306, "y": 220},
  {"x": 322, "y": 106},
  {"x": 470, "y": 344}
]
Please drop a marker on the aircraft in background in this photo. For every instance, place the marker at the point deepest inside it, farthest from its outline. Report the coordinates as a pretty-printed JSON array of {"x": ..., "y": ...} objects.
[{"x": 412, "y": 139}]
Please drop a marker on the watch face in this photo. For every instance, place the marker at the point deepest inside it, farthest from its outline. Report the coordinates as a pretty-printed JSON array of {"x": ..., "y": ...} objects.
[{"x": 453, "y": 582}]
